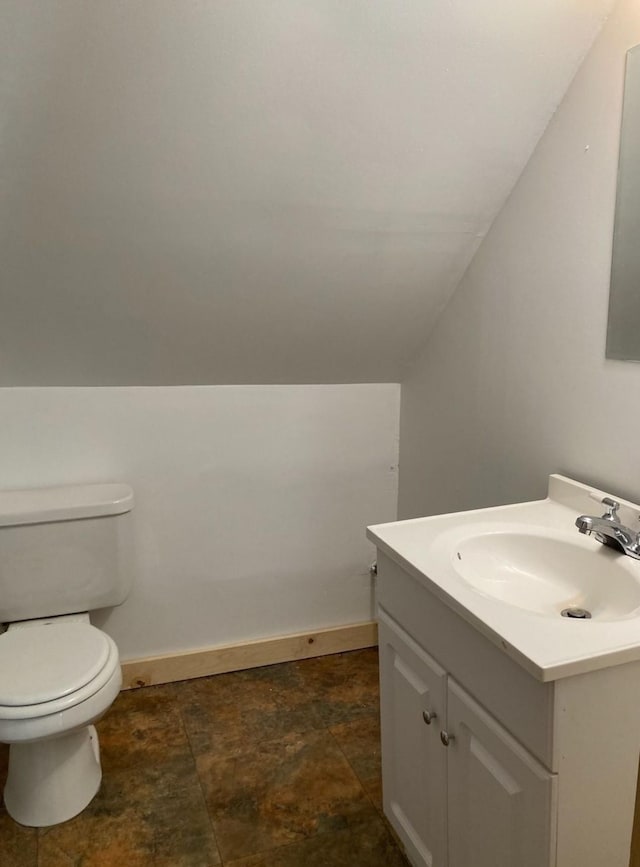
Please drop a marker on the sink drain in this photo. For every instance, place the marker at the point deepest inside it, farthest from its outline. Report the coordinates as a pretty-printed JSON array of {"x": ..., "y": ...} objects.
[{"x": 576, "y": 613}]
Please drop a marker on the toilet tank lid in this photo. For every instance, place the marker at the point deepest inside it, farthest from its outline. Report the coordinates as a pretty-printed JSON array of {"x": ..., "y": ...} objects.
[{"x": 66, "y": 503}]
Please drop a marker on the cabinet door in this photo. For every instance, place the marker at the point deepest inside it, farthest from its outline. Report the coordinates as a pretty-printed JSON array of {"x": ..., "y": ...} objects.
[
  {"x": 413, "y": 687},
  {"x": 502, "y": 802}
]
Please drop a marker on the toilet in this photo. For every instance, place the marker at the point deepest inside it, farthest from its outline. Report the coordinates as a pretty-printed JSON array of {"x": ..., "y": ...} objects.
[{"x": 64, "y": 552}]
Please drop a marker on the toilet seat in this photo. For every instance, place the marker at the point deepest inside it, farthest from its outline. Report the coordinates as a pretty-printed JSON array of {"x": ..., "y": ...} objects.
[{"x": 47, "y": 668}]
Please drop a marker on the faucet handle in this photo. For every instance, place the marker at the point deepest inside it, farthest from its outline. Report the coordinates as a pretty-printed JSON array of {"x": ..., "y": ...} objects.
[{"x": 612, "y": 509}]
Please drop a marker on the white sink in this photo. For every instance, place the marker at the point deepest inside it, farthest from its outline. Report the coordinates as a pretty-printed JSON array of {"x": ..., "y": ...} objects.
[
  {"x": 511, "y": 570},
  {"x": 548, "y": 572}
]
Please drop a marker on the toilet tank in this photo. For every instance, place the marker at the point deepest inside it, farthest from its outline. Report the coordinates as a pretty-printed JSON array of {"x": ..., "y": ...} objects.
[{"x": 64, "y": 550}]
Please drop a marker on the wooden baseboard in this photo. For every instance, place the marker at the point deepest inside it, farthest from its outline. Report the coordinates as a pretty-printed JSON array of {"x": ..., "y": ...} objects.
[{"x": 252, "y": 654}]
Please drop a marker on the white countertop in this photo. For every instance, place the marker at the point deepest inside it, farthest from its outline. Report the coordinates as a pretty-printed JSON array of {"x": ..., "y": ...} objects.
[{"x": 548, "y": 647}]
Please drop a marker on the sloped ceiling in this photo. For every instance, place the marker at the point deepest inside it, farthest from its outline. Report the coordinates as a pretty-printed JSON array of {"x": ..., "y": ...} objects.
[{"x": 205, "y": 191}]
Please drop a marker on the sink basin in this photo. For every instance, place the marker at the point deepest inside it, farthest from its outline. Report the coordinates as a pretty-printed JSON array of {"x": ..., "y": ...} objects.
[
  {"x": 511, "y": 570},
  {"x": 547, "y": 573}
]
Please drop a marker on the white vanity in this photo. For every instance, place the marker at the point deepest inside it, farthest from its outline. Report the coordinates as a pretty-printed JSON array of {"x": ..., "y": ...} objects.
[{"x": 510, "y": 733}]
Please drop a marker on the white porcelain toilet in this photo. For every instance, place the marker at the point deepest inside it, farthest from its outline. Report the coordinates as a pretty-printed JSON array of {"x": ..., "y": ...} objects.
[{"x": 63, "y": 552}]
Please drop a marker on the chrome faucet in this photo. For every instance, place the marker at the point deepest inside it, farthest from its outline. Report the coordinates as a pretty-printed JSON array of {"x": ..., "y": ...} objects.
[{"x": 610, "y": 531}]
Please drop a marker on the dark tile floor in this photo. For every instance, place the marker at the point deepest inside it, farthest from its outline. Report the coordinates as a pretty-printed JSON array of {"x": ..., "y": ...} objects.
[{"x": 272, "y": 767}]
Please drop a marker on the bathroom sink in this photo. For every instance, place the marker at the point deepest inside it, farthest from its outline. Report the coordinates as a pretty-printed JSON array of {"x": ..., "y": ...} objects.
[
  {"x": 511, "y": 571},
  {"x": 546, "y": 572}
]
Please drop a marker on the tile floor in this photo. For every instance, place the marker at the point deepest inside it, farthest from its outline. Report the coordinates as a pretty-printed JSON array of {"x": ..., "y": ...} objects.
[{"x": 272, "y": 767}]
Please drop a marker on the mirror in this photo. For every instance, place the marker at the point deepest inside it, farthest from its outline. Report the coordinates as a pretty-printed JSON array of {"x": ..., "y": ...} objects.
[{"x": 623, "y": 329}]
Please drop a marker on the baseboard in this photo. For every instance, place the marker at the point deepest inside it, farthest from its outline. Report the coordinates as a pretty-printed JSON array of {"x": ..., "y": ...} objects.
[{"x": 251, "y": 654}]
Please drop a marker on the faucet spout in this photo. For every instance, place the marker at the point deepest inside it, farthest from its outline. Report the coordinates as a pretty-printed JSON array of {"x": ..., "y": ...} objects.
[
  {"x": 610, "y": 532},
  {"x": 584, "y": 524}
]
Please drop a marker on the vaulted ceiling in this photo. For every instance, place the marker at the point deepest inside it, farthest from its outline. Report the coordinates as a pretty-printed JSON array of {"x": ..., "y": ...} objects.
[{"x": 208, "y": 191}]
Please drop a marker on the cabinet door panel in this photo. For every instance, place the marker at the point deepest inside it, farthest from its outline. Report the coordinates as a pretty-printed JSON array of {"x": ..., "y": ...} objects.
[
  {"x": 501, "y": 800},
  {"x": 413, "y": 759}
]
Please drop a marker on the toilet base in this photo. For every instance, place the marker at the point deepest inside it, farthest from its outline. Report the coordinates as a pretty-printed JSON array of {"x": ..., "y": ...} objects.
[{"x": 53, "y": 780}]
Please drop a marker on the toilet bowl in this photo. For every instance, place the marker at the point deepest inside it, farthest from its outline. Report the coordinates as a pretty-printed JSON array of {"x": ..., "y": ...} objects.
[{"x": 57, "y": 677}]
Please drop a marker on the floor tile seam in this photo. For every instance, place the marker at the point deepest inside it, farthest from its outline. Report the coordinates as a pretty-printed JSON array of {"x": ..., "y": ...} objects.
[
  {"x": 239, "y": 751},
  {"x": 281, "y": 700},
  {"x": 185, "y": 730},
  {"x": 58, "y": 850},
  {"x": 301, "y": 839},
  {"x": 200, "y": 785},
  {"x": 232, "y": 861},
  {"x": 369, "y": 713},
  {"x": 396, "y": 839},
  {"x": 360, "y": 811},
  {"x": 236, "y": 699},
  {"x": 356, "y": 774},
  {"x": 353, "y": 771},
  {"x": 292, "y": 731},
  {"x": 317, "y": 687},
  {"x": 237, "y": 755}
]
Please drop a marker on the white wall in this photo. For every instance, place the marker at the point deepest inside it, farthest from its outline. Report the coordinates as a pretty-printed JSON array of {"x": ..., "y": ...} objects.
[
  {"x": 252, "y": 501},
  {"x": 237, "y": 191},
  {"x": 513, "y": 384}
]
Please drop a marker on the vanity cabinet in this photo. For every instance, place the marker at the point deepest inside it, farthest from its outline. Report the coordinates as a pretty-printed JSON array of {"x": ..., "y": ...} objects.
[
  {"x": 476, "y": 797},
  {"x": 414, "y": 762},
  {"x": 535, "y": 774},
  {"x": 500, "y": 798}
]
